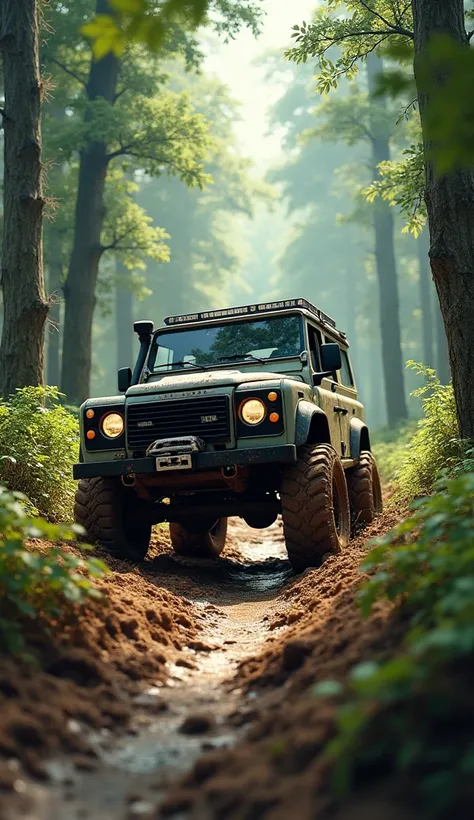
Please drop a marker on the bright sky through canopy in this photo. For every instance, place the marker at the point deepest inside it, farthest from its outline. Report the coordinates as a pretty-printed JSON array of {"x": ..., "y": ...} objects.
[{"x": 233, "y": 64}]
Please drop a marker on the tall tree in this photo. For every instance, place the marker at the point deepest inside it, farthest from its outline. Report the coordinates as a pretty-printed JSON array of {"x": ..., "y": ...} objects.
[
  {"x": 83, "y": 269},
  {"x": 450, "y": 206},
  {"x": 449, "y": 188},
  {"x": 25, "y": 306},
  {"x": 425, "y": 298},
  {"x": 389, "y": 312}
]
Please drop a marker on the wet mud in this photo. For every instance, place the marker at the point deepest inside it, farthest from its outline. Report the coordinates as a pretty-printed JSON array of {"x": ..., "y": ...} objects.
[{"x": 209, "y": 667}]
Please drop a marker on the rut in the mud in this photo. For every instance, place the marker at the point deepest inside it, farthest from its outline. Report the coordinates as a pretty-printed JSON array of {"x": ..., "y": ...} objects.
[
  {"x": 196, "y": 707},
  {"x": 241, "y": 641}
]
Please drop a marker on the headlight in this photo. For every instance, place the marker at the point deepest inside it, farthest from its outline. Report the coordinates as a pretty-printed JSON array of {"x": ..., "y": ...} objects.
[
  {"x": 112, "y": 425},
  {"x": 252, "y": 411}
]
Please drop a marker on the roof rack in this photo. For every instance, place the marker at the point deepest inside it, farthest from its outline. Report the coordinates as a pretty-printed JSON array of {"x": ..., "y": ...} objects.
[{"x": 251, "y": 310}]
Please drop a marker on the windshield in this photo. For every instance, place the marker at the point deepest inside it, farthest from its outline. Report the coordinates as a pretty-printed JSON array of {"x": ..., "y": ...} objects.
[{"x": 259, "y": 340}]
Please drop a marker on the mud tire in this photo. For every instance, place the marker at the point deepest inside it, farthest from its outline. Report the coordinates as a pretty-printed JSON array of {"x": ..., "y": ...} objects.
[
  {"x": 315, "y": 506},
  {"x": 104, "y": 507},
  {"x": 365, "y": 491},
  {"x": 199, "y": 544}
]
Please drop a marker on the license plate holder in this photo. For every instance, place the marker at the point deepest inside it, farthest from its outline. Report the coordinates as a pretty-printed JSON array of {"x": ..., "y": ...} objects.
[{"x": 177, "y": 461}]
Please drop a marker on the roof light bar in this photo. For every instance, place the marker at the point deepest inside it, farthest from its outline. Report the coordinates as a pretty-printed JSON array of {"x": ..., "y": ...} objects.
[{"x": 251, "y": 310}]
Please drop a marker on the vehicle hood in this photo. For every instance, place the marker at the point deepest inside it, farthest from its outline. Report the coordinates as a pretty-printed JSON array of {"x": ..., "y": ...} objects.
[{"x": 198, "y": 380}]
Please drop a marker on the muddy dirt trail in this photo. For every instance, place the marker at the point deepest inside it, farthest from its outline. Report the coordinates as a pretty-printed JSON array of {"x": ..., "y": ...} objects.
[
  {"x": 217, "y": 722},
  {"x": 196, "y": 708}
]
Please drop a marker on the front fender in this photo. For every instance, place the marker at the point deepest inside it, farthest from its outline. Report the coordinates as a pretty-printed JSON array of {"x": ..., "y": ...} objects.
[
  {"x": 311, "y": 424},
  {"x": 359, "y": 437}
]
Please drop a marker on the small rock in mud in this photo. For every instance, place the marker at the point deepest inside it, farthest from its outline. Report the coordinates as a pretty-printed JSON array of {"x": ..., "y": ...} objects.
[
  {"x": 295, "y": 653},
  {"x": 149, "y": 701},
  {"x": 197, "y": 724},
  {"x": 140, "y": 808}
]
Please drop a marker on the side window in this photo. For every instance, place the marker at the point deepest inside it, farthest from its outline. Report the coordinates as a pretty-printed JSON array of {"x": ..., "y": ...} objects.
[
  {"x": 347, "y": 378},
  {"x": 314, "y": 345}
]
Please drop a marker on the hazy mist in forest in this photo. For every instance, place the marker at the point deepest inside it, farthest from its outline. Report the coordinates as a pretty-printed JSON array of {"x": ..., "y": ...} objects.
[{"x": 285, "y": 215}]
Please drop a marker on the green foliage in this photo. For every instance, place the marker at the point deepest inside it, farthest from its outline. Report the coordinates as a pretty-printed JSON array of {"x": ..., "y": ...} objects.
[
  {"x": 356, "y": 28},
  {"x": 436, "y": 447},
  {"x": 412, "y": 715},
  {"x": 37, "y": 586},
  {"x": 450, "y": 109},
  {"x": 343, "y": 32},
  {"x": 402, "y": 183},
  {"x": 39, "y": 442},
  {"x": 143, "y": 21}
]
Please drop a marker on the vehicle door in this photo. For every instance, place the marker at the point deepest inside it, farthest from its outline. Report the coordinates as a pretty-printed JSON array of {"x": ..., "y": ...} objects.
[
  {"x": 325, "y": 393},
  {"x": 347, "y": 405}
]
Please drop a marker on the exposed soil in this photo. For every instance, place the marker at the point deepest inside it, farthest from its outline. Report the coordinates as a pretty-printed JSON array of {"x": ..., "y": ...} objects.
[{"x": 190, "y": 696}]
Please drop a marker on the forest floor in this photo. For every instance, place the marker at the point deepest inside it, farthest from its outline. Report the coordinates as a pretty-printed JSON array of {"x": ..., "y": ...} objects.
[{"x": 190, "y": 695}]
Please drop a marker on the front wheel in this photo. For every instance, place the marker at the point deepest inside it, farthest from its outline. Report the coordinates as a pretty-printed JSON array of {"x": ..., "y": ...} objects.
[
  {"x": 365, "y": 491},
  {"x": 197, "y": 543},
  {"x": 108, "y": 511},
  {"x": 315, "y": 506}
]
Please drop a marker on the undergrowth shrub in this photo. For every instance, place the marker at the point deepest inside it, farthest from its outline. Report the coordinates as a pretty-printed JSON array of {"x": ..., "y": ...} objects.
[
  {"x": 39, "y": 443},
  {"x": 435, "y": 448},
  {"x": 38, "y": 586},
  {"x": 413, "y": 716}
]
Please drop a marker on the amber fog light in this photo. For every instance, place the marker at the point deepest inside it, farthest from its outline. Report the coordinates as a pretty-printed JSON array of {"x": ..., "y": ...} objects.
[
  {"x": 112, "y": 425},
  {"x": 252, "y": 411}
]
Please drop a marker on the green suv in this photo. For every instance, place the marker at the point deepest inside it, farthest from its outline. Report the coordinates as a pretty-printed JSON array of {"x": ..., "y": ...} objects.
[{"x": 249, "y": 411}]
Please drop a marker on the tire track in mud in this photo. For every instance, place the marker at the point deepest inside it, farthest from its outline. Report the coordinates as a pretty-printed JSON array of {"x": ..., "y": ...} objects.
[
  {"x": 231, "y": 730},
  {"x": 197, "y": 708}
]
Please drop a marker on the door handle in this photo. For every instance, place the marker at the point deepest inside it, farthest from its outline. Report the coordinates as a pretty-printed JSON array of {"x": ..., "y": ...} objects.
[{"x": 342, "y": 410}]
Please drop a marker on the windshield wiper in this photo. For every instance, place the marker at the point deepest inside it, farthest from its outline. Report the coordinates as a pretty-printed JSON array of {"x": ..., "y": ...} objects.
[
  {"x": 172, "y": 364},
  {"x": 242, "y": 357}
]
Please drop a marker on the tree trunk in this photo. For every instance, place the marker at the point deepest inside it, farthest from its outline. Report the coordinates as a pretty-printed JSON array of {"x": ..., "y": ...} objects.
[
  {"x": 80, "y": 287},
  {"x": 450, "y": 205},
  {"x": 422, "y": 244},
  {"x": 53, "y": 349},
  {"x": 123, "y": 317},
  {"x": 385, "y": 262},
  {"x": 25, "y": 306},
  {"x": 442, "y": 358}
]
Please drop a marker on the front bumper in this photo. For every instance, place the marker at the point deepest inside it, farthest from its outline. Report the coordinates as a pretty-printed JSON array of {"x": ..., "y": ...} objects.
[{"x": 283, "y": 454}]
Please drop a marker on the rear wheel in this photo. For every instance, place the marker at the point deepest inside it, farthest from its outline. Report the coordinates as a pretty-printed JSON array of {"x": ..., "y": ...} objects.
[
  {"x": 315, "y": 506},
  {"x": 365, "y": 491},
  {"x": 109, "y": 513},
  {"x": 199, "y": 543}
]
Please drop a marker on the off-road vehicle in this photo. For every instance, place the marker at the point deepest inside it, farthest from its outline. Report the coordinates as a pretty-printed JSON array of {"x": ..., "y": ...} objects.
[{"x": 249, "y": 411}]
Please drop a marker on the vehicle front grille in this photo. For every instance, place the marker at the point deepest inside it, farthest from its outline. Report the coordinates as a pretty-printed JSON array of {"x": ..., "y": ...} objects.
[{"x": 206, "y": 417}]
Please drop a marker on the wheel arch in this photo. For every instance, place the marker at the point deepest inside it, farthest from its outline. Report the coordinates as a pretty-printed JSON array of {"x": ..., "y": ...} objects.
[
  {"x": 359, "y": 438},
  {"x": 312, "y": 426}
]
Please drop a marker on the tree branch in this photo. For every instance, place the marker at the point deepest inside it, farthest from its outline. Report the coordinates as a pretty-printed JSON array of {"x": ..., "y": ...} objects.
[
  {"x": 67, "y": 70},
  {"x": 396, "y": 29},
  {"x": 119, "y": 93}
]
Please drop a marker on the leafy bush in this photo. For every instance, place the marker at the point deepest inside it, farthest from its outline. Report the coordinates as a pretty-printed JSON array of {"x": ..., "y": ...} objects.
[
  {"x": 414, "y": 714},
  {"x": 36, "y": 586},
  {"x": 39, "y": 442},
  {"x": 435, "y": 448}
]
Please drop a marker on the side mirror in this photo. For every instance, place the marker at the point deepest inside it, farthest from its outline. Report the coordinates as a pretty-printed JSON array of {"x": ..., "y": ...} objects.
[
  {"x": 330, "y": 361},
  {"x": 330, "y": 357},
  {"x": 124, "y": 379}
]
